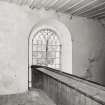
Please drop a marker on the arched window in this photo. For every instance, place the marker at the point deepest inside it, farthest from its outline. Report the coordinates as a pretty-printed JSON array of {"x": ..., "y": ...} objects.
[
  {"x": 46, "y": 43},
  {"x": 46, "y": 49}
]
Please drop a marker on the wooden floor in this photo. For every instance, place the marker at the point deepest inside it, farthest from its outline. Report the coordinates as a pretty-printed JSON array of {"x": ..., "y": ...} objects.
[{"x": 32, "y": 97}]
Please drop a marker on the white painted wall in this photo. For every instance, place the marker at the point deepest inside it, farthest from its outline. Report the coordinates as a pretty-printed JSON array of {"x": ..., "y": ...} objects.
[
  {"x": 16, "y": 23},
  {"x": 14, "y": 29},
  {"x": 88, "y": 48}
]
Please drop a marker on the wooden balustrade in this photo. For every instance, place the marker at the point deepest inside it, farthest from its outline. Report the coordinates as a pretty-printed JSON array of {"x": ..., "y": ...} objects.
[{"x": 66, "y": 89}]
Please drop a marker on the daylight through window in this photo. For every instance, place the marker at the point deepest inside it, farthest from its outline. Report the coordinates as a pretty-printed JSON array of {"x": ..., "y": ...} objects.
[{"x": 46, "y": 49}]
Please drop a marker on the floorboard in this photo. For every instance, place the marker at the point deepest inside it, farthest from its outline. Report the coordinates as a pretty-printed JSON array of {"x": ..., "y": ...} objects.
[{"x": 32, "y": 97}]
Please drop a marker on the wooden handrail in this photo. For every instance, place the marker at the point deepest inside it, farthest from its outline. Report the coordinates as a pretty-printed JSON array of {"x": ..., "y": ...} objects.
[
  {"x": 75, "y": 77},
  {"x": 87, "y": 88}
]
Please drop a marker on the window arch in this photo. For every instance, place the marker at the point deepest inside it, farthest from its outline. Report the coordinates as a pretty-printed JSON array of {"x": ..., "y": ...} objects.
[
  {"x": 64, "y": 37},
  {"x": 46, "y": 49}
]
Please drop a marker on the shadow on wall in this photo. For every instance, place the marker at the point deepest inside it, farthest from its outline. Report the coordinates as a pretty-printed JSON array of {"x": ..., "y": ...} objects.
[{"x": 88, "y": 71}]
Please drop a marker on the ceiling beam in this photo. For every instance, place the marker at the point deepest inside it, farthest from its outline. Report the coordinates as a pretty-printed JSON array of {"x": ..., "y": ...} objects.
[
  {"x": 25, "y": 2},
  {"x": 82, "y": 7},
  {"x": 90, "y": 9},
  {"x": 102, "y": 17},
  {"x": 63, "y": 4},
  {"x": 51, "y": 3},
  {"x": 48, "y": 2},
  {"x": 32, "y": 4},
  {"x": 70, "y": 7},
  {"x": 38, "y": 3},
  {"x": 54, "y": 4},
  {"x": 94, "y": 12},
  {"x": 97, "y": 15},
  {"x": 44, "y": 2}
]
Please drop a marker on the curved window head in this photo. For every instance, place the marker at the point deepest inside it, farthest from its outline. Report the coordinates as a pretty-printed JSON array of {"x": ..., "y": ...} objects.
[{"x": 46, "y": 49}]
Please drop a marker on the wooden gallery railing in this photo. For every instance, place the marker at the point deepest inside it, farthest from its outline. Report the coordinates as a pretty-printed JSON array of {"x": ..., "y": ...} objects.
[{"x": 66, "y": 89}]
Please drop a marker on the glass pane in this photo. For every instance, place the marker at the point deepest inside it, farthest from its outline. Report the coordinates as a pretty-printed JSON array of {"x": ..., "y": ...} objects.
[
  {"x": 57, "y": 54},
  {"x": 43, "y": 47},
  {"x": 39, "y": 48},
  {"x": 58, "y": 66},
  {"x": 51, "y": 54},
  {"x": 57, "y": 61},
  {"x": 52, "y": 48},
  {"x": 35, "y": 47},
  {"x": 41, "y": 62},
  {"x": 46, "y": 49},
  {"x": 50, "y": 61},
  {"x": 34, "y": 54},
  {"x": 34, "y": 61},
  {"x": 41, "y": 55}
]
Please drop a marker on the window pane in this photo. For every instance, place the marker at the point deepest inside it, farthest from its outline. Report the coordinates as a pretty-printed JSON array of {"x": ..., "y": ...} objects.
[{"x": 46, "y": 49}]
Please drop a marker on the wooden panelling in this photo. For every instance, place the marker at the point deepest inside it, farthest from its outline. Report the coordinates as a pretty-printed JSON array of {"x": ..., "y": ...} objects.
[
  {"x": 65, "y": 94},
  {"x": 81, "y": 5},
  {"x": 94, "y": 12},
  {"x": 68, "y": 5},
  {"x": 89, "y": 6},
  {"x": 37, "y": 79},
  {"x": 91, "y": 9}
]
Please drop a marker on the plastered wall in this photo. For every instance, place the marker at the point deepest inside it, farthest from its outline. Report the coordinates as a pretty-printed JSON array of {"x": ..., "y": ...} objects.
[
  {"x": 14, "y": 29},
  {"x": 88, "y": 39},
  {"x": 88, "y": 43}
]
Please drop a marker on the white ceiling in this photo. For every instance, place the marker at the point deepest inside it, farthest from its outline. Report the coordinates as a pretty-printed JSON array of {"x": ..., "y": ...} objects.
[{"x": 86, "y": 8}]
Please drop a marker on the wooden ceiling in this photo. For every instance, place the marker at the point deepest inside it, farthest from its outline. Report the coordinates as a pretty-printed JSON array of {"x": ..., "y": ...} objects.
[{"x": 85, "y": 8}]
